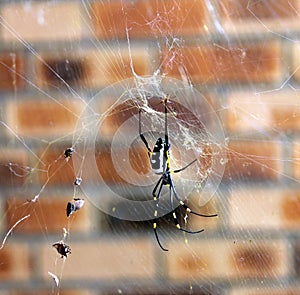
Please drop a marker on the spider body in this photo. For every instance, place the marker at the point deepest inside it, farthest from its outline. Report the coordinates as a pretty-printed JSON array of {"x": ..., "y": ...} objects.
[
  {"x": 160, "y": 163},
  {"x": 159, "y": 156}
]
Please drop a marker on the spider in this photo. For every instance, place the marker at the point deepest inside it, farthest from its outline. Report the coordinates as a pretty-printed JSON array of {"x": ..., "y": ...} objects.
[{"x": 160, "y": 163}]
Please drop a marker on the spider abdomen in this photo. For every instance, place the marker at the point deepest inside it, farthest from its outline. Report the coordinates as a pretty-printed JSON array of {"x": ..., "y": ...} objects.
[{"x": 158, "y": 159}]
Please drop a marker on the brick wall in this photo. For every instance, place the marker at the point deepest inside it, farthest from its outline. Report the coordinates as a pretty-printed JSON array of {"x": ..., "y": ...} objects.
[{"x": 242, "y": 55}]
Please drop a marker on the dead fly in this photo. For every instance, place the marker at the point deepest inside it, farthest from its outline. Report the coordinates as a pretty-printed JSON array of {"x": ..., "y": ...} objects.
[
  {"x": 68, "y": 153},
  {"x": 75, "y": 205},
  {"x": 62, "y": 248}
]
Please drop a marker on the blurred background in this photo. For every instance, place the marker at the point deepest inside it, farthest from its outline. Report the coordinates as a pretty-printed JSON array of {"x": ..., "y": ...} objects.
[{"x": 74, "y": 74}]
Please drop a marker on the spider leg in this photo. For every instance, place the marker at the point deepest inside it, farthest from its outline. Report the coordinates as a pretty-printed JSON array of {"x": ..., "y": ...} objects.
[
  {"x": 183, "y": 168},
  {"x": 175, "y": 219},
  {"x": 166, "y": 126},
  {"x": 188, "y": 210},
  {"x": 155, "y": 222},
  {"x": 142, "y": 136},
  {"x": 182, "y": 229}
]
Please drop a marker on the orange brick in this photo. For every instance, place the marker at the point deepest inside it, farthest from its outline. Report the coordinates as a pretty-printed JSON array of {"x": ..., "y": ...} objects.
[
  {"x": 55, "y": 168},
  {"x": 110, "y": 66},
  {"x": 11, "y": 71},
  {"x": 265, "y": 291},
  {"x": 148, "y": 18},
  {"x": 59, "y": 71},
  {"x": 259, "y": 16},
  {"x": 253, "y": 160},
  {"x": 43, "y": 118},
  {"x": 14, "y": 167},
  {"x": 48, "y": 213},
  {"x": 276, "y": 111},
  {"x": 15, "y": 262},
  {"x": 137, "y": 159},
  {"x": 61, "y": 292},
  {"x": 268, "y": 9},
  {"x": 200, "y": 203},
  {"x": 41, "y": 21},
  {"x": 91, "y": 68},
  {"x": 118, "y": 115},
  {"x": 290, "y": 209},
  {"x": 208, "y": 64},
  {"x": 264, "y": 208},
  {"x": 297, "y": 258},
  {"x": 296, "y": 63},
  {"x": 103, "y": 259},
  {"x": 203, "y": 260},
  {"x": 296, "y": 159}
]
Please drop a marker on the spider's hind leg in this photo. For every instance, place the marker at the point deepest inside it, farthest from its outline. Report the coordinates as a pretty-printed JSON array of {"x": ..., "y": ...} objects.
[
  {"x": 155, "y": 221},
  {"x": 182, "y": 229},
  {"x": 156, "y": 235},
  {"x": 189, "y": 210}
]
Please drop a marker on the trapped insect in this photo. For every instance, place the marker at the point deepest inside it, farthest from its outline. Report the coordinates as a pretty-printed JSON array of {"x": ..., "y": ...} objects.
[
  {"x": 62, "y": 248},
  {"x": 68, "y": 152},
  {"x": 76, "y": 205},
  {"x": 160, "y": 163}
]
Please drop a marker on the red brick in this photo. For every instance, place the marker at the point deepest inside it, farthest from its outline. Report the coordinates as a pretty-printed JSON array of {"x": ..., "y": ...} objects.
[
  {"x": 208, "y": 64},
  {"x": 41, "y": 21},
  {"x": 43, "y": 118},
  {"x": 103, "y": 259},
  {"x": 253, "y": 160},
  {"x": 203, "y": 260},
  {"x": 47, "y": 214},
  {"x": 11, "y": 71},
  {"x": 14, "y": 167},
  {"x": 15, "y": 262},
  {"x": 267, "y": 9},
  {"x": 148, "y": 18},
  {"x": 276, "y": 111}
]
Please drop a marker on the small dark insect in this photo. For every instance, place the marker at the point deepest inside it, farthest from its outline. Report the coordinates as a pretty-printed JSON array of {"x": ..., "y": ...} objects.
[
  {"x": 62, "y": 248},
  {"x": 68, "y": 152},
  {"x": 70, "y": 208},
  {"x": 77, "y": 181},
  {"x": 76, "y": 205}
]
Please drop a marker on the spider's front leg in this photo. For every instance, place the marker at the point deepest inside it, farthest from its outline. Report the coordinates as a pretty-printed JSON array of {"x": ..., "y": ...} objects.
[{"x": 142, "y": 135}]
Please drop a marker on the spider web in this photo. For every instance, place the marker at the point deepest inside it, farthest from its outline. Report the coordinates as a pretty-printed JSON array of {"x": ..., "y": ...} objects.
[{"x": 107, "y": 127}]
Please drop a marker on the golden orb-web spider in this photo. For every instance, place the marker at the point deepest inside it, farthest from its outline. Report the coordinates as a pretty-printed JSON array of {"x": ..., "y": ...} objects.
[{"x": 160, "y": 164}]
